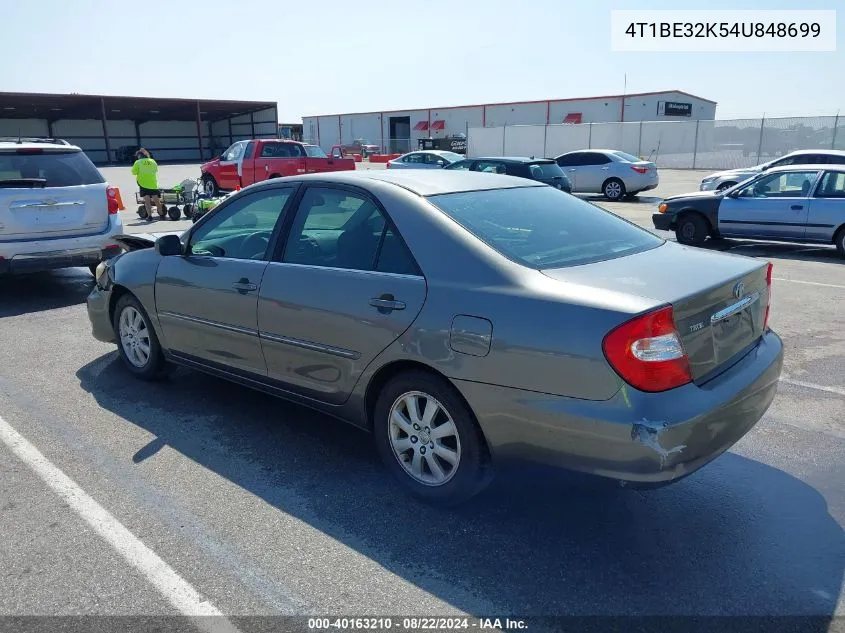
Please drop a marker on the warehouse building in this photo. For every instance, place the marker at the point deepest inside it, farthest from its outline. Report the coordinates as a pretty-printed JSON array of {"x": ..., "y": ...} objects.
[
  {"x": 110, "y": 129},
  {"x": 400, "y": 130}
]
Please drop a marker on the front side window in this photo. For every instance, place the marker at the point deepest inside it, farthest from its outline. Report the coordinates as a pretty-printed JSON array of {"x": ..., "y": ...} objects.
[
  {"x": 570, "y": 160},
  {"x": 234, "y": 152},
  {"x": 546, "y": 171},
  {"x": 414, "y": 158},
  {"x": 791, "y": 184},
  {"x": 542, "y": 227},
  {"x": 242, "y": 229},
  {"x": 436, "y": 159},
  {"x": 341, "y": 229}
]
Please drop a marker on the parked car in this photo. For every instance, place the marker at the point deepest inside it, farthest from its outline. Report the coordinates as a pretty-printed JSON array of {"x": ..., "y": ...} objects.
[
  {"x": 722, "y": 180},
  {"x": 424, "y": 159},
  {"x": 56, "y": 208},
  {"x": 540, "y": 169},
  {"x": 248, "y": 162},
  {"x": 465, "y": 319},
  {"x": 798, "y": 203},
  {"x": 359, "y": 146},
  {"x": 610, "y": 172}
]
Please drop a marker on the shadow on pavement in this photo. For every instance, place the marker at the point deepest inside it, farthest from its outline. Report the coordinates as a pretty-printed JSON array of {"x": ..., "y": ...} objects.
[
  {"x": 36, "y": 292},
  {"x": 739, "y": 537}
]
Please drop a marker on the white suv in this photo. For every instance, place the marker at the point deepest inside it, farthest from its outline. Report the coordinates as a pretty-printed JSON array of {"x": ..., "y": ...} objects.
[{"x": 56, "y": 209}]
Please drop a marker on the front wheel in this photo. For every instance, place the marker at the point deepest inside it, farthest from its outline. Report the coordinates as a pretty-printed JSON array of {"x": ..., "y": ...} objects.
[
  {"x": 209, "y": 186},
  {"x": 613, "y": 189},
  {"x": 137, "y": 343},
  {"x": 691, "y": 229},
  {"x": 429, "y": 440}
]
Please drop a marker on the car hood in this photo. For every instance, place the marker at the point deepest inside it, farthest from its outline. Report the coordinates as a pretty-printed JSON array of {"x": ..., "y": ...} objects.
[{"x": 703, "y": 196}]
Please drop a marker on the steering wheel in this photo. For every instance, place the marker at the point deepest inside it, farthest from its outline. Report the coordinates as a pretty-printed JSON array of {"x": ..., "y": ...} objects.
[{"x": 257, "y": 244}]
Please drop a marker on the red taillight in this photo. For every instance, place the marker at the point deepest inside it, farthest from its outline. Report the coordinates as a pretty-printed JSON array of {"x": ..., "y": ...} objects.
[
  {"x": 647, "y": 352},
  {"x": 387, "y": 165},
  {"x": 769, "y": 268},
  {"x": 112, "y": 198},
  {"x": 638, "y": 169}
]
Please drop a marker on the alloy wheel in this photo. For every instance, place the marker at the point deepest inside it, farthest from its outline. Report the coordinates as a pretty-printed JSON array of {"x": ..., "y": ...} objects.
[
  {"x": 613, "y": 190},
  {"x": 424, "y": 438},
  {"x": 134, "y": 337}
]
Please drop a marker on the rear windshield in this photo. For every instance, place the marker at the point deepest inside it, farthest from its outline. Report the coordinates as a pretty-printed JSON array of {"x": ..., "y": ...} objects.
[
  {"x": 59, "y": 169},
  {"x": 628, "y": 157},
  {"x": 314, "y": 151},
  {"x": 545, "y": 170},
  {"x": 542, "y": 227}
]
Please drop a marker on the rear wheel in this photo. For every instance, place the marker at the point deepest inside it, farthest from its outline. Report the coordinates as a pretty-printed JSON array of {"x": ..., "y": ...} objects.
[
  {"x": 137, "y": 343},
  {"x": 429, "y": 440},
  {"x": 839, "y": 240},
  {"x": 613, "y": 189},
  {"x": 691, "y": 229}
]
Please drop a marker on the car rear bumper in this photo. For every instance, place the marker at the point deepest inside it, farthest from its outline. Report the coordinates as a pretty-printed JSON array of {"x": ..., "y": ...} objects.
[
  {"x": 28, "y": 256},
  {"x": 662, "y": 221},
  {"x": 633, "y": 437},
  {"x": 98, "y": 315}
]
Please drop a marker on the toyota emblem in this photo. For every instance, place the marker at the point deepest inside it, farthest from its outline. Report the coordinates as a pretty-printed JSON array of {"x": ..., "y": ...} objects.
[{"x": 739, "y": 290}]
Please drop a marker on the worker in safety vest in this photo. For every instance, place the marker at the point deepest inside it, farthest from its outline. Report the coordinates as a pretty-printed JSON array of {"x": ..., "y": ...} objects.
[{"x": 145, "y": 170}]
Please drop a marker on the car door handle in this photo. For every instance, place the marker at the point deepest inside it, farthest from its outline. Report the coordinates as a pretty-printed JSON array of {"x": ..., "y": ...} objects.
[
  {"x": 571, "y": 170},
  {"x": 244, "y": 285},
  {"x": 605, "y": 168},
  {"x": 387, "y": 302},
  {"x": 797, "y": 207}
]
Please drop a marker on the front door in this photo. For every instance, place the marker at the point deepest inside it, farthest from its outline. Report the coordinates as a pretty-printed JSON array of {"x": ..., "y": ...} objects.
[
  {"x": 593, "y": 171},
  {"x": 827, "y": 208},
  {"x": 344, "y": 289},
  {"x": 570, "y": 164},
  {"x": 230, "y": 167},
  {"x": 207, "y": 299},
  {"x": 770, "y": 206}
]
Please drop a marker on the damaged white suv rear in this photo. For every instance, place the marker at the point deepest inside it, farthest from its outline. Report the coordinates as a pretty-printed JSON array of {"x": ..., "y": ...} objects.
[{"x": 56, "y": 209}]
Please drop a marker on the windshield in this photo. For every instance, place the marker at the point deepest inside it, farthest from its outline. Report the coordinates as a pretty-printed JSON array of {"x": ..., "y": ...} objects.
[
  {"x": 542, "y": 227},
  {"x": 57, "y": 169},
  {"x": 314, "y": 151},
  {"x": 546, "y": 171},
  {"x": 628, "y": 157},
  {"x": 452, "y": 157}
]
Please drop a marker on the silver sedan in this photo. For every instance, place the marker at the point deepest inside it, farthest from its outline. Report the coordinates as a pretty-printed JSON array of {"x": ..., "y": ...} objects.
[
  {"x": 464, "y": 319},
  {"x": 612, "y": 173},
  {"x": 424, "y": 159}
]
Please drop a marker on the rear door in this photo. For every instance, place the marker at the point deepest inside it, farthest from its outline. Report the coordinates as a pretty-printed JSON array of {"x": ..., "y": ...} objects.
[
  {"x": 207, "y": 300},
  {"x": 50, "y": 193},
  {"x": 827, "y": 207},
  {"x": 343, "y": 289},
  {"x": 774, "y": 205}
]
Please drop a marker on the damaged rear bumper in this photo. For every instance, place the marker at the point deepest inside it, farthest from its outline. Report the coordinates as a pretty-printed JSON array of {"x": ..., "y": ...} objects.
[{"x": 635, "y": 436}]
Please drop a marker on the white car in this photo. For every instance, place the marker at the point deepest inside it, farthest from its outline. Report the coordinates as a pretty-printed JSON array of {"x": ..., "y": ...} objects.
[
  {"x": 56, "y": 209},
  {"x": 722, "y": 180},
  {"x": 610, "y": 172},
  {"x": 424, "y": 159}
]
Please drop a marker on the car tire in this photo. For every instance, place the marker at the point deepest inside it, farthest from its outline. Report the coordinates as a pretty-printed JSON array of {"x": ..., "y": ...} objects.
[
  {"x": 403, "y": 445},
  {"x": 210, "y": 187},
  {"x": 691, "y": 229},
  {"x": 725, "y": 185},
  {"x": 132, "y": 328},
  {"x": 613, "y": 189},
  {"x": 839, "y": 240}
]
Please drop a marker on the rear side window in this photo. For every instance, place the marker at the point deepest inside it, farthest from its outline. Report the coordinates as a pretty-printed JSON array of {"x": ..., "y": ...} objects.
[
  {"x": 59, "y": 169},
  {"x": 546, "y": 170},
  {"x": 314, "y": 151},
  {"x": 542, "y": 227}
]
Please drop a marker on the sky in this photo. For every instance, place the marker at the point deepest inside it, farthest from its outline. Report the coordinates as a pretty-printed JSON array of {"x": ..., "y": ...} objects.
[{"x": 335, "y": 56}]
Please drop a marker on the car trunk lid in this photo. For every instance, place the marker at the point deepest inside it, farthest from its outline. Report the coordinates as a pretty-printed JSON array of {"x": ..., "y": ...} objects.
[{"x": 719, "y": 301}]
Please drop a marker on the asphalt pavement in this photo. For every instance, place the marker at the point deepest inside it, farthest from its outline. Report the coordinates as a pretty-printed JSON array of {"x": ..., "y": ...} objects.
[{"x": 260, "y": 507}]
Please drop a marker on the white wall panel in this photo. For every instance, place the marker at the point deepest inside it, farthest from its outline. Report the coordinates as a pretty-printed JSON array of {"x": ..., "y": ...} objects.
[
  {"x": 485, "y": 141},
  {"x": 566, "y": 138},
  {"x": 524, "y": 140},
  {"x": 23, "y": 127}
]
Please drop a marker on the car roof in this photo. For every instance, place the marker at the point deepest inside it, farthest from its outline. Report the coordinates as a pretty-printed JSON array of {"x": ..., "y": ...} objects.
[
  {"x": 423, "y": 182},
  {"x": 807, "y": 167},
  {"x": 515, "y": 159},
  {"x": 48, "y": 144},
  {"x": 801, "y": 152}
]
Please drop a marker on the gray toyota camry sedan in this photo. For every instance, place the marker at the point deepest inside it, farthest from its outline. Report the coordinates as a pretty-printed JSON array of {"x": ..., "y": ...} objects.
[{"x": 465, "y": 319}]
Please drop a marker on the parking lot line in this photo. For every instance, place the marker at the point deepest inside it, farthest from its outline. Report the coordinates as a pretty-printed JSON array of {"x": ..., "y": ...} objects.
[
  {"x": 170, "y": 584},
  {"x": 809, "y": 283},
  {"x": 812, "y": 385}
]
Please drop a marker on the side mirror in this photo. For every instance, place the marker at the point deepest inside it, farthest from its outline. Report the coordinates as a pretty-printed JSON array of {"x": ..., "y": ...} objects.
[{"x": 168, "y": 245}]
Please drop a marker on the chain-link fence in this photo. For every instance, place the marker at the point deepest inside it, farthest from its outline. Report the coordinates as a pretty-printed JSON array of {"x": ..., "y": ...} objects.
[{"x": 726, "y": 144}]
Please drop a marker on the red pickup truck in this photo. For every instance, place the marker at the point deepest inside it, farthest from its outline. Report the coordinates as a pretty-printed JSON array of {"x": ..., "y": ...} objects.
[{"x": 248, "y": 162}]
